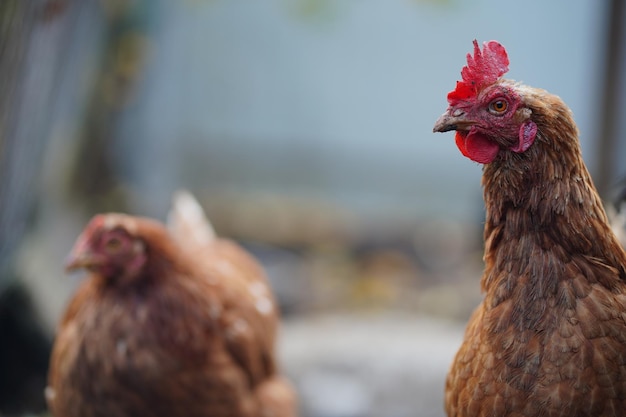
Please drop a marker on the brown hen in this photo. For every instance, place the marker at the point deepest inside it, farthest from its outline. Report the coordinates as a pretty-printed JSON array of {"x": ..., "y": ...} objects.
[
  {"x": 549, "y": 338},
  {"x": 176, "y": 323}
]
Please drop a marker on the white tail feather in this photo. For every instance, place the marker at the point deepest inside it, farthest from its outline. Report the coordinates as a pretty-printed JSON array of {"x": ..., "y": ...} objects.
[{"x": 187, "y": 221}]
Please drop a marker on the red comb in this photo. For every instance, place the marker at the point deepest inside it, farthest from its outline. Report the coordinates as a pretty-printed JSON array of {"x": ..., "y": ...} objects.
[{"x": 482, "y": 69}]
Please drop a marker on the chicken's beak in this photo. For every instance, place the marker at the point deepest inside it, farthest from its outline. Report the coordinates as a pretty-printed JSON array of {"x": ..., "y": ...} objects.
[
  {"x": 78, "y": 261},
  {"x": 81, "y": 256},
  {"x": 452, "y": 120}
]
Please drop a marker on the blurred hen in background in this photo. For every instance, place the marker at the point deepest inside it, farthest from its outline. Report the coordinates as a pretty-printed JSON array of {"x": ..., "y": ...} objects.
[{"x": 177, "y": 323}]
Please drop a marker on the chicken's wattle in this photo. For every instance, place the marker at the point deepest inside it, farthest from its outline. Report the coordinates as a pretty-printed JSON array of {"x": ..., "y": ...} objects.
[{"x": 476, "y": 147}]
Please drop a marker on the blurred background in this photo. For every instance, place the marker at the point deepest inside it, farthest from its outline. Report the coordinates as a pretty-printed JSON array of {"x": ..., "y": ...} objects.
[{"x": 304, "y": 128}]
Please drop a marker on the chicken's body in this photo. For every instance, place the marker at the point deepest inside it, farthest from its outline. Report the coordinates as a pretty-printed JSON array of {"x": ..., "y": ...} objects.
[
  {"x": 549, "y": 339},
  {"x": 191, "y": 334}
]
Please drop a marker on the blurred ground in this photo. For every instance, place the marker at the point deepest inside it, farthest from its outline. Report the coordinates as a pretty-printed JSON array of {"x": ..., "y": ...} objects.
[{"x": 369, "y": 365}]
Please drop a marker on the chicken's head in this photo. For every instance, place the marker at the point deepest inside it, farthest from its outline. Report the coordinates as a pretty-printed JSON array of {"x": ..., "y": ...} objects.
[
  {"x": 487, "y": 112},
  {"x": 109, "y": 247}
]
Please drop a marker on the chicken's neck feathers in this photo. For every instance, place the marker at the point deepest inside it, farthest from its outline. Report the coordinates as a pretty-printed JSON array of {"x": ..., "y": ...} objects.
[{"x": 543, "y": 211}]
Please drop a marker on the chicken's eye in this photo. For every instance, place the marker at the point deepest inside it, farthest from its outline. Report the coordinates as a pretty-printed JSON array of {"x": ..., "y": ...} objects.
[
  {"x": 113, "y": 244},
  {"x": 498, "y": 106}
]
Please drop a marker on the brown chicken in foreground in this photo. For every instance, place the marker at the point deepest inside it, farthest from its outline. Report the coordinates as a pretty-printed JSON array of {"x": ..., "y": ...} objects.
[
  {"x": 549, "y": 338},
  {"x": 176, "y": 323}
]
